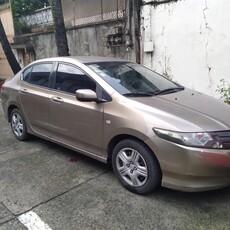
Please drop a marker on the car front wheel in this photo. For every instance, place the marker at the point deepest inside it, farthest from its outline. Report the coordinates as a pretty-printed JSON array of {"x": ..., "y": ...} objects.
[
  {"x": 18, "y": 125},
  {"x": 136, "y": 167}
]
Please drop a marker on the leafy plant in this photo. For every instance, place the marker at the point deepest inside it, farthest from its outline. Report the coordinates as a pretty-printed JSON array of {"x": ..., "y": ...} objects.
[
  {"x": 22, "y": 8},
  {"x": 21, "y": 27},
  {"x": 224, "y": 90}
]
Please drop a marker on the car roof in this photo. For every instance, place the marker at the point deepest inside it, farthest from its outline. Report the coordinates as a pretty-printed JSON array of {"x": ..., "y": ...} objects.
[
  {"x": 84, "y": 59},
  {"x": 91, "y": 59}
]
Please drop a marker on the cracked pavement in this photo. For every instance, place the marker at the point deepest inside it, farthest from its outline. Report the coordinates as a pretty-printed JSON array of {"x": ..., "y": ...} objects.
[{"x": 70, "y": 191}]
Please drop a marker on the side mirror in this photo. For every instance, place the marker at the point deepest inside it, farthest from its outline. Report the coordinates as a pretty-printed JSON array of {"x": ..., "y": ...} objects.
[{"x": 86, "y": 95}]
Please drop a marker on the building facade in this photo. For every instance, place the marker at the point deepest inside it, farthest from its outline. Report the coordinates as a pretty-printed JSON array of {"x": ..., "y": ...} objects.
[
  {"x": 185, "y": 40},
  {"x": 7, "y": 21},
  {"x": 188, "y": 41}
]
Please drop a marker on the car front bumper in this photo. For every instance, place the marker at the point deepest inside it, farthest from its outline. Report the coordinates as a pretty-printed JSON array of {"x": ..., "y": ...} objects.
[{"x": 191, "y": 169}]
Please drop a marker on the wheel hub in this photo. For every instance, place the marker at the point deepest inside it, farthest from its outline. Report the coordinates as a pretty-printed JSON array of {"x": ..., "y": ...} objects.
[{"x": 132, "y": 167}]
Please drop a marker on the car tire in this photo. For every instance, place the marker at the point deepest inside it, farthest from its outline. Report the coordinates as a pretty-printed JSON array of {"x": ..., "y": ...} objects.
[
  {"x": 18, "y": 125},
  {"x": 136, "y": 167}
]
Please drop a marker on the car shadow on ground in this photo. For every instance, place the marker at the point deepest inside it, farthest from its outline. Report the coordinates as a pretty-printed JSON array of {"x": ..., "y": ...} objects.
[
  {"x": 222, "y": 194},
  {"x": 65, "y": 153},
  {"x": 166, "y": 194}
]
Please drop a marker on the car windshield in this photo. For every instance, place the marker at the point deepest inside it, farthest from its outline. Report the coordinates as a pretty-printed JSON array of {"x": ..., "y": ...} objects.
[{"x": 131, "y": 79}]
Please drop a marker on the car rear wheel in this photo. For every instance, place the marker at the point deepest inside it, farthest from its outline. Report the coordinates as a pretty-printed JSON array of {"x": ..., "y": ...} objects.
[
  {"x": 18, "y": 125},
  {"x": 136, "y": 167}
]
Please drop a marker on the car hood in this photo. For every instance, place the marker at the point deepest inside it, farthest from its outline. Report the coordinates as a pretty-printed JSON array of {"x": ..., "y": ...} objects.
[{"x": 187, "y": 111}]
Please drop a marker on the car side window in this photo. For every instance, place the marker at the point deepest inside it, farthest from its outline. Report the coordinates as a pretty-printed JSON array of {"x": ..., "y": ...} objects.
[
  {"x": 39, "y": 75},
  {"x": 26, "y": 74},
  {"x": 69, "y": 79}
]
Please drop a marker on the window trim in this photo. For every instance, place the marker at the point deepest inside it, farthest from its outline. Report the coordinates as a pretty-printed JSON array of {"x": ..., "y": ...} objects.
[
  {"x": 32, "y": 66},
  {"x": 53, "y": 77},
  {"x": 102, "y": 94}
]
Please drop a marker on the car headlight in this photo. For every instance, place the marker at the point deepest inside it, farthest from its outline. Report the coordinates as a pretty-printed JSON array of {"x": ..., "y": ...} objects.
[{"x": 196, "y": 139}]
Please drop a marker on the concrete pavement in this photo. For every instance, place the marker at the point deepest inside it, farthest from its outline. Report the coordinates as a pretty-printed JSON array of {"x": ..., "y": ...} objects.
[{"x": 67, "y": 191}]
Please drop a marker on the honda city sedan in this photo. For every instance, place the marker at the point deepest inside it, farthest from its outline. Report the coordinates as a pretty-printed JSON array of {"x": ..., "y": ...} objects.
[{"x": 154, "y": 131}]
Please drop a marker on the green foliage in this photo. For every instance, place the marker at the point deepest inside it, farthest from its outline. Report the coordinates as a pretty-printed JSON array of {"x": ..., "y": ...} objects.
[
  {"x": 224, "y": 90},
  {"x": 24, "y": 7},
  {"x": 21, "y": 27}
]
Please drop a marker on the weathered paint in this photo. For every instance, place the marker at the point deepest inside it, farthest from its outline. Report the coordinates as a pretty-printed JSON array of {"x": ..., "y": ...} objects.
[
  {"x": 190, "y": 41},
  {"x": 82, "y": 41},
  {"x": 33, "y": 222}
]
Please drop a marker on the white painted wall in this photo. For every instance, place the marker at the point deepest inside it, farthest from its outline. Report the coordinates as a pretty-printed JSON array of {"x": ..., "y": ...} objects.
[{"x": 190, "y": 41}]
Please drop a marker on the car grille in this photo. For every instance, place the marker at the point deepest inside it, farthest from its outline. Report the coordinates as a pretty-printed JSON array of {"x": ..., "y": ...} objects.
[{"x": 223, "y": 138}]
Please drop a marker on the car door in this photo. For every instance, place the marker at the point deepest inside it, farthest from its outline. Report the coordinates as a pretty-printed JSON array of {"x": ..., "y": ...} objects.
[
  {"x": 35, "y": 96},
  {"x": 72, "y": 122}
]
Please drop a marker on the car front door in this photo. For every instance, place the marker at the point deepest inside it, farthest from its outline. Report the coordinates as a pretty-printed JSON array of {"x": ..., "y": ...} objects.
[
  {"x": 35, "y": 97},
  {"x": 72, "y": 122}
]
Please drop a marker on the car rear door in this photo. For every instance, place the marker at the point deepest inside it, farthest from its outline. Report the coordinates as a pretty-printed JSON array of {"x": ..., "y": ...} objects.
[
  {"x": 35, "y": 96},
  {"x": 77, "y": 124}
]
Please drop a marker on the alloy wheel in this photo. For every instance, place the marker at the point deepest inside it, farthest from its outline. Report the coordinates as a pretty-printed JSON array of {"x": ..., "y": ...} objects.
[
  {"x": 132, "y": 167},
  {"x": 17, "y": 124}
]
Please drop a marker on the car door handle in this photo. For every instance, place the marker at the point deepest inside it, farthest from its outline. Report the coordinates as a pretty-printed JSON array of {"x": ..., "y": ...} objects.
[
  {"x": 57, "y": 99},
  {"x": 23, "y": 90}
]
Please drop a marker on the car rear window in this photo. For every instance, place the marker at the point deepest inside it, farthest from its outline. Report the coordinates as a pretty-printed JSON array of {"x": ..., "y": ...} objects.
[
  {"x": 38, "y": 74},
  {"x": 26, "y": 74}
]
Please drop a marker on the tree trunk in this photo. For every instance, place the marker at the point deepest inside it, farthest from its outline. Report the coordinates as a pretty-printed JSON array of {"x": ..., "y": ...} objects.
[
  {"x": 8, "y": 51},
  {"x": 59, "y": 28}
]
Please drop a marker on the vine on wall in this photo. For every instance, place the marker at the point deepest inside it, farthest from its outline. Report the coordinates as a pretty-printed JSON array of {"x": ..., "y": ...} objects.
[{"x": 224, "y": 90}]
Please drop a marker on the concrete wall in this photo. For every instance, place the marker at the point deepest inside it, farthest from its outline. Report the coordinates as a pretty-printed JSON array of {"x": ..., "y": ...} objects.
[
  {"x": 189, "y": 41},
  {"x": 79, "y": 12},
  {"x": 91, "y": 40},
  {"x": 5, "y": 70},
  {"x": 7, "y": 21},
  {"x": 44, "y": 45},
  {"x": 88, "y": 40},
  {"x": 86, "y": 32}
]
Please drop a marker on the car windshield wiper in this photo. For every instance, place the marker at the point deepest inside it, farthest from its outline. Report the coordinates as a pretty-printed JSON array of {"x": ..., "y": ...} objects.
[
  {"x": 169, "y": 90},
  {"x": 138, "y": 94}
]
